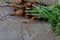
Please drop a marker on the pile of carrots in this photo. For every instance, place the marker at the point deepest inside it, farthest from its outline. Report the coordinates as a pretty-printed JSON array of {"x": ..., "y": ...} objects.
[{"x": 21, "y": 7}]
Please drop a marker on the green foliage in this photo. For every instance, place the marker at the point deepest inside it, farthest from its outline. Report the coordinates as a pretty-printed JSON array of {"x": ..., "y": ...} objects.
[{"x": 51, "y": 12}]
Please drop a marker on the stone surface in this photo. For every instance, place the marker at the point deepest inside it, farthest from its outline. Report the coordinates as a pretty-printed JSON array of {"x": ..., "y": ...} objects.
[
  {"x": 12, "y": 28},
  {"x": 47, "y": 2}
]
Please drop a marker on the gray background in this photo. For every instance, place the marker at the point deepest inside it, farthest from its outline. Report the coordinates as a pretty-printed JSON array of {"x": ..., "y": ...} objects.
[{"x": 12, "y": 28}]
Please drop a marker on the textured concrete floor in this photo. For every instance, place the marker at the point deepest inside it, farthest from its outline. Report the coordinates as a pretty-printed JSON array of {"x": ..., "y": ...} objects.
[{"x": 12, "y": 28}]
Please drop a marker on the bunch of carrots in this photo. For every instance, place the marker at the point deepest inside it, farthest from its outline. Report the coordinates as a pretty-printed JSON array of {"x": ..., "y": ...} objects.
[{"x": 21, "y": 7}]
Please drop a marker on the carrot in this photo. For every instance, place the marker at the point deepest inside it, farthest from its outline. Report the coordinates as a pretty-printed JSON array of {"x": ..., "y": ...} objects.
[
  {"x": 30, "y": 1},
  {"x": 20, "y": 1},
  {"x": 19, "y": 12},
  {"x": 27, "y": 16},
  {"x": 28, "y": 4}
]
